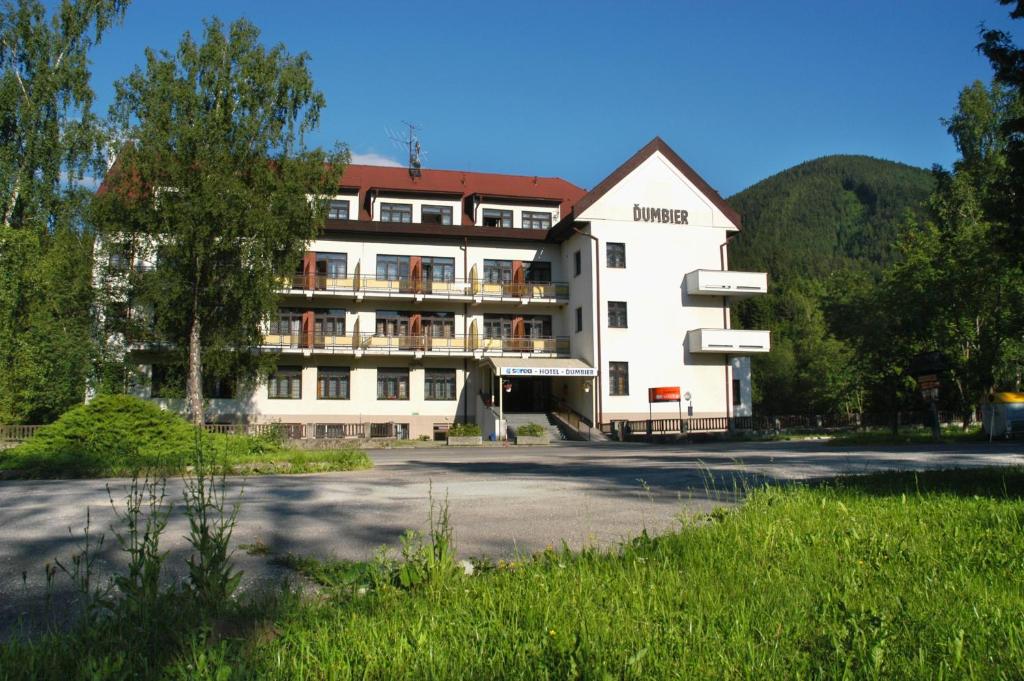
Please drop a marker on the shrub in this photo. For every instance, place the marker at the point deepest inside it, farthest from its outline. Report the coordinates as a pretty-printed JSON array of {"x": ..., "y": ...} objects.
[
  {"x": 118, "y": 435},
  {"x": 530, "y": 429},
  {"x": 112, "y": 434},
  {"x": 464, "y": 430}
]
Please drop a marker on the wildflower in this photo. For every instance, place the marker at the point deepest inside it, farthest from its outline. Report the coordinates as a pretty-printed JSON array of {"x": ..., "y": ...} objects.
[{"x": 551, "y": 632}]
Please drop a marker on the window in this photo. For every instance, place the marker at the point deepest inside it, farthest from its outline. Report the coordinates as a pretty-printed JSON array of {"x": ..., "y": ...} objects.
[
  {"x": 497, "y": 218},
  {"x": 288, "y": 322},
  {"x": 737, "y": 400},
  {"x": 218, "y": 388},
  {"x": 167, "y": 380},
  {"x": 498, "y": 271},
  {"x": 537, "y": 327},
  {"x": 328, "y": 323},
  {"x": 332, "y": 383},
  {"x": 330, "y": 266},
  {"x": 436, "y": 215},
  {"x": 616, "y": 254},
  {"x": 577, "y": 262},
  {"x": 391, "y": 323},
  {"x": 392, "y": 384},
  {"x": 285, "y": 384},
  {"x": 337, "y": 210},
  {"x": 533, "y": 220},
  {"x": 437, "y": 269},
  {"x": 497, "y": 326},
  {"x": 616, "y": 315},
  {"x": 618, "y": 378},
  {"x": 392, "y": 267},
  {"x": 537, "y": 272},
  {"x": 396, "y": 212},
  {"x": 439, "y": 384},
  {"x": 438, "y": 324},
  {"x": 579, "y": 319}
]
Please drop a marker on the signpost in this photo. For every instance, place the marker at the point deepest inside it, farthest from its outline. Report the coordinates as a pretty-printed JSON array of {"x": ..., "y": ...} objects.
[
  {"x": 926, "y": 368},
  {"x": 664, "y": 394}
]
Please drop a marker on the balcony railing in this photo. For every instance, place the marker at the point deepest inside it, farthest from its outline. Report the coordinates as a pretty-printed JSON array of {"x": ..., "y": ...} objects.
[
  {"x": 726, "y": 283},
  {"x": 371, "y": 343},
  {"x": 444, "y": 288},
  {"x": 729, "y": 341}
]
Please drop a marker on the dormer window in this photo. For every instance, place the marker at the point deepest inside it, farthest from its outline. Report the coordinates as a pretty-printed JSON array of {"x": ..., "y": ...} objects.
[
  {"x": 337, "y": 210},
  {"x": 396, "y": 212},
  {"x": 436, "y": 215},
  {"x": 534, "y": 220},
  {"x": 497, "y": 218}
]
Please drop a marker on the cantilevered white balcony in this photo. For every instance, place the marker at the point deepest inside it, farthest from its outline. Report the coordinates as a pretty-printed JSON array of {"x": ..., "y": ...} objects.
[
  {"x": 726, "y": 283},
  {"x": 729, "y": 341}
]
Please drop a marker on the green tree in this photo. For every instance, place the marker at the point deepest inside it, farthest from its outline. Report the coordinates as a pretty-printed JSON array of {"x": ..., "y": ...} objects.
[
  {"x": 950, "y": 290},
  {"x": 217, "y": 180},
  {"x": 1008, "y": 64},
  {"x": 49, "y": 142}
]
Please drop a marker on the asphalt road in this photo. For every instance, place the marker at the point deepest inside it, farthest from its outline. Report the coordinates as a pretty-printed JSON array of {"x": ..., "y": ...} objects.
[{"x": 502, "y": 501}]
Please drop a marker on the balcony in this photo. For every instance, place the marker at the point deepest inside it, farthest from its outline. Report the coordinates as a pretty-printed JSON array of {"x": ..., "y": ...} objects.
[
  {"x": 471, "y": 345},
  {"x": 726, "y": 283},
  {"x": 728, "y": 341},
  {"x": 467, "y": 290}
]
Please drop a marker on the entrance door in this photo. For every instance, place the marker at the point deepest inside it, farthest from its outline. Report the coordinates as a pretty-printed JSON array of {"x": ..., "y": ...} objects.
[{"x": 529, "y": 394}]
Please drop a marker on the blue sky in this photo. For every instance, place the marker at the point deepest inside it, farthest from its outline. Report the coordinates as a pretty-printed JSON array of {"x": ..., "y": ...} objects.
[{"x": 741, "y": 90}]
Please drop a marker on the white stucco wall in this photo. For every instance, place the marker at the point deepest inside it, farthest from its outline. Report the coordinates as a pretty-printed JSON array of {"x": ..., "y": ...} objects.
[{"x": 659, "y": 312}]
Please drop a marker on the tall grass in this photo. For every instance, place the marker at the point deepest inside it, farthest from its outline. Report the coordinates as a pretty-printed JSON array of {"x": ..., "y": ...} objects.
[{"x": 889, "y": 576}]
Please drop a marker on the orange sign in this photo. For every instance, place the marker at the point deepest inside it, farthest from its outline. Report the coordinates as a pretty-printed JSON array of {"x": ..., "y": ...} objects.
[{"x": 670, "y": 394}]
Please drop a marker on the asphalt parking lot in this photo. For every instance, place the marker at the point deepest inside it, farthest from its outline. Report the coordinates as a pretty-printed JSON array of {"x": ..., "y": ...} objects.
[{"x": 503, "y": 501}]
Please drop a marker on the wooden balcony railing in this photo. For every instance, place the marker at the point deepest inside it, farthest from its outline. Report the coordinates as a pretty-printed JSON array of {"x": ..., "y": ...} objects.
[
  {"x": 372, "y": 343},
  {"x": 447, "y": 288}
]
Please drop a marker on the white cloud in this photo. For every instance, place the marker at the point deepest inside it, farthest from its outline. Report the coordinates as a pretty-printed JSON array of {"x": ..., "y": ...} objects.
[{"x": 372, "y": 159}]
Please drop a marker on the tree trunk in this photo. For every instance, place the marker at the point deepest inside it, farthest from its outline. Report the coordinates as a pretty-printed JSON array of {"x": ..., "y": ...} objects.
[
  {"x": 194, "y": 387},
  {"x": 12, "y": 202}
]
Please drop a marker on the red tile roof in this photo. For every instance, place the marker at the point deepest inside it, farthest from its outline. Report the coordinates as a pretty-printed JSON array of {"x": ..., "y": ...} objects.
[{"x": 460, "y": 183}]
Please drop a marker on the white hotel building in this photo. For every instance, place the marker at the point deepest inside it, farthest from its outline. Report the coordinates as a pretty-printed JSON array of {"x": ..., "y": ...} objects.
[{"x": 436, "y": 296}]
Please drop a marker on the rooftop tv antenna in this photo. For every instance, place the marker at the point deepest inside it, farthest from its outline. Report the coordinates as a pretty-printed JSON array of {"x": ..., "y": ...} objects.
[{"x": 411, "y": 142}]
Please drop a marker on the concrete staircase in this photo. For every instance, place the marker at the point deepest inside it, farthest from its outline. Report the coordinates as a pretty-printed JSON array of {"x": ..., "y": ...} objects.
[{"x": 513, "y": 421}]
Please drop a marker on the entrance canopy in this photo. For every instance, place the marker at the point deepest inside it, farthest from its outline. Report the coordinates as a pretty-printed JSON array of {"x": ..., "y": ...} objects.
[{"x": 507, "y": 366}]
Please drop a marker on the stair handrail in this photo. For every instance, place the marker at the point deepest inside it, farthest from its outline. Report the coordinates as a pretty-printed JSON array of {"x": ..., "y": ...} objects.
[{"x": 571, "y": 416}]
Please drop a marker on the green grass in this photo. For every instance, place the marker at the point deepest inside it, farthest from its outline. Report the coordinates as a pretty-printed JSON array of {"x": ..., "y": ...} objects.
[
  {"x": 118, "y": 435},
  {"x": 907, "y": 436},
  {"x": 885, "y": 576}
]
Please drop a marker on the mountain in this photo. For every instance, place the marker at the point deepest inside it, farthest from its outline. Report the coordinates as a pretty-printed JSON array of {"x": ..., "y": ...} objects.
[
  {"x": 827, "y": 214},
  {"x": 818, "y": 229}
]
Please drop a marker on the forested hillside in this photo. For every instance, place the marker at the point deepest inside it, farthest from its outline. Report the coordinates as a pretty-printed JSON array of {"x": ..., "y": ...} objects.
[
  {"x": 818, "y": 229},
  {"x": 825, "y": 214}
]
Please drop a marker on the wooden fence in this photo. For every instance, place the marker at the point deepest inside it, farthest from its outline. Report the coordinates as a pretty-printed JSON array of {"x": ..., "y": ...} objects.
[
  {"x": 17, "y": 433},
  {"x": 293, "y": 431},
  {"x": 782, "y": 422}
]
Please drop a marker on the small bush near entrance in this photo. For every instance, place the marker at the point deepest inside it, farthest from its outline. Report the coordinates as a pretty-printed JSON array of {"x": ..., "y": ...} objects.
[
  {"x": 118, "y": 435},
  {"x": 464, "y": 430},
  {"x": 530, "y": 429}
]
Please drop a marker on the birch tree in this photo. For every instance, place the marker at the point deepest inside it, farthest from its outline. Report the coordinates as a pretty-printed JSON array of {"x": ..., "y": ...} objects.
[
  {"x": 50, "y": 141},
  {"x": 216, "y": 172}
]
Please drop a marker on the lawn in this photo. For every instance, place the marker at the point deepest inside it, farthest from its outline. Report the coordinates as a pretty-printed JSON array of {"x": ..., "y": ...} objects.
[
  {"x": 884, "y": 576},
  {"x": 118, "y": 435},
  {"x": 907, "y": 435}
]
